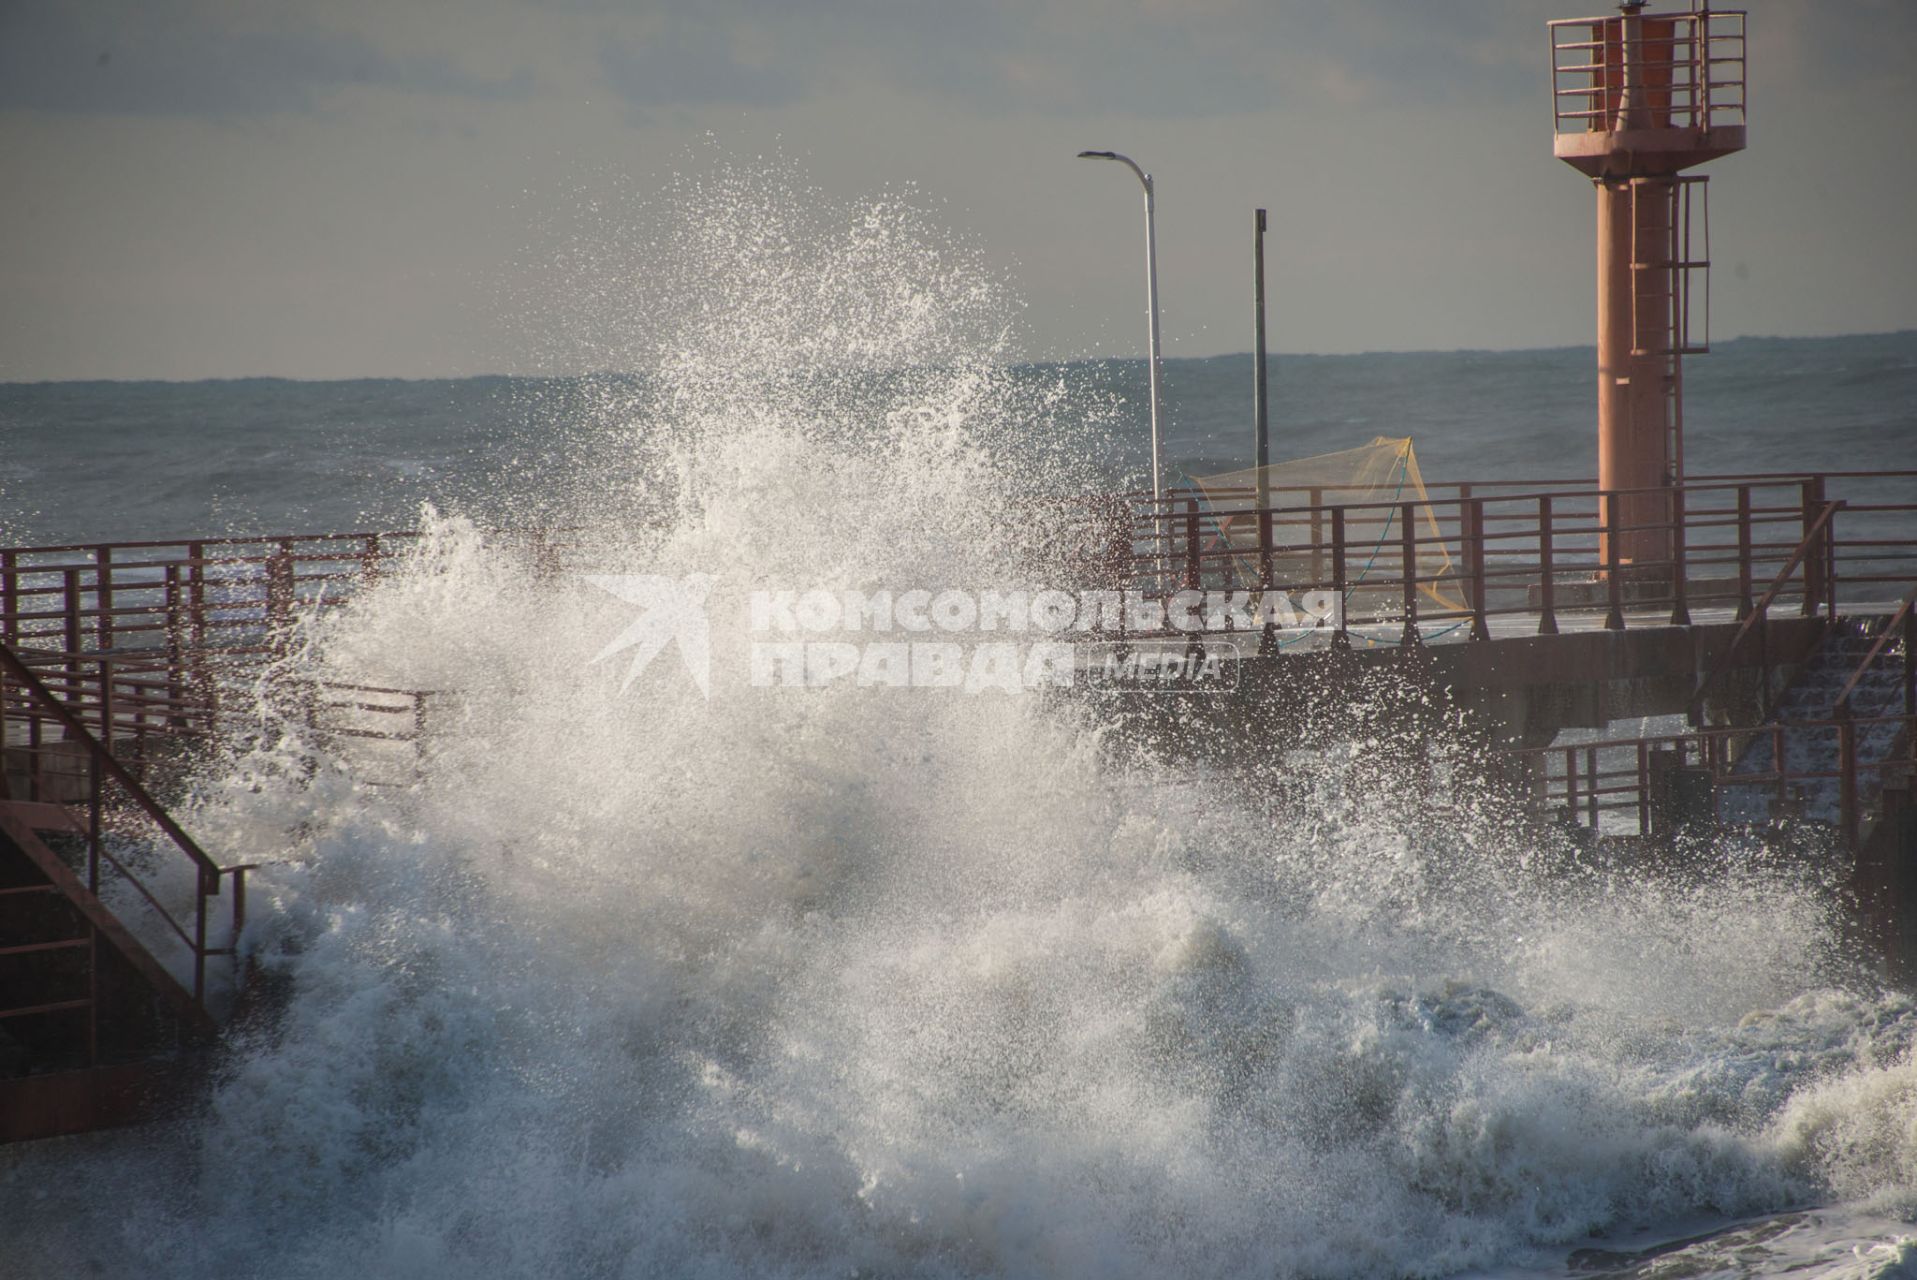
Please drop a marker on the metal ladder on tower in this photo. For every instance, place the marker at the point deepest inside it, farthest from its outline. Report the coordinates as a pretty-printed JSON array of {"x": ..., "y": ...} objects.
[{"x": 1674, "y": 321}]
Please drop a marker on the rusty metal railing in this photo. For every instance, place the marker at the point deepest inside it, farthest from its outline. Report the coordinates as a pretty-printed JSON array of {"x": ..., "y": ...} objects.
[
  {"x": 208, "y": 596},
  {"x": 135, "y": 818},
  {"x": 1817, "y": 544},
  {"x": 1474, "y": 557},
  {"x": 1583, "y": 782},
  {"x": 1690, "y": 67}
]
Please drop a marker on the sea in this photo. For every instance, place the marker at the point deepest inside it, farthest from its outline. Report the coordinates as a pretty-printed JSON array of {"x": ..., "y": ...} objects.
[
  {"x": 643, "y": 977},
  {"x": 110, "y": 461}
]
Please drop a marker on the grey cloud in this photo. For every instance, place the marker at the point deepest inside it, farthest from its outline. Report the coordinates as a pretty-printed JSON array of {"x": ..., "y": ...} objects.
[
  {"x": 693, "y": 62},
  {"x": 1136, "y": 57},
  {"x": 169, "y": 60}
]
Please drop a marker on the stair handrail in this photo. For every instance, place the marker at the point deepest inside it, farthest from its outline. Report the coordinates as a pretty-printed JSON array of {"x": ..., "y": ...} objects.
[
  {"x": 104, "y": 759},
  {"x": 1760, "y": 614},
  {"x": 1883, "y": 638}
]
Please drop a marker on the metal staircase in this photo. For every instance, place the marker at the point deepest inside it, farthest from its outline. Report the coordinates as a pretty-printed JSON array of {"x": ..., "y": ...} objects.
[
  {"x": 1838, "y": 725},
  {"x": 109, "y": 915}
]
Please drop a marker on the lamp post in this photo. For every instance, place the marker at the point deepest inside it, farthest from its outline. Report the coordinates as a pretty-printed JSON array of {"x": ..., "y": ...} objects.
[
  {"x": 1260, "y": 384},
  {"x": 1151, "y": 307}
]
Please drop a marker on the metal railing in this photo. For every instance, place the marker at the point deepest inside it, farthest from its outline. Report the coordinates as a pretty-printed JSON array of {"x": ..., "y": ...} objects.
[
  {"x": 168, "y": 639},
  {"x": 1689, "y": 67},
  {"x": 1583, "y": 782},
  {"x": 1473, "y": 556},
  {"x": 209, "y": 596},
  {"x": 1818, "y": 544},
  {"x": 121, "y": 815},
  {"x": 1900, "y": 625}
]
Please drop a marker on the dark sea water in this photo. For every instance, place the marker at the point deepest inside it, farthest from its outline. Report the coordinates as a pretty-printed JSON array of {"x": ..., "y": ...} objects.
[{"x": 123, "y": 460}]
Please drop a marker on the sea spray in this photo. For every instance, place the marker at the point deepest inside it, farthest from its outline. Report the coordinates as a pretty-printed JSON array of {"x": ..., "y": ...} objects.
[{"x": 639, "y": 980}]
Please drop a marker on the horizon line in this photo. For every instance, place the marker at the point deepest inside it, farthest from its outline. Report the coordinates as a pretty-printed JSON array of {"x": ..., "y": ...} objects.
[{"x": 1131, "y": 359}]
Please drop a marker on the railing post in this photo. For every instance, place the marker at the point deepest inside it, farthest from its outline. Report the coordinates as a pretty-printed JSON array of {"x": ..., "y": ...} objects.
[
  {"x": 1547, "y": 569},
  {"x": 1830, "y": 564},
  {"x": 1408, "y": 544},
  {"x": 1264, "y": 549},
  {"x": 1743, "y": 552},
  {"x": 1317, "y": 497},
  {"x": 1680, "y": 569},
  {"x": 1571, "y": 782},
  {"x": 1813, "y": 501},
  {"x": 1910, "y": 667},
  {"x": 1192, "y": 566},
  {"x": 279, "y": 587},
  {"x": 1342, "y": 638},
  {"x": 10, "y": 597},
  {"x": 196, "y": 595},
  {"x": 108, "y": 714},
  {"x": 1268, "y": 633},
  {"x": 1643, "y": 787},
  {"x": 1591, "y": 796},
  {"x": 175, "y": 650},
  {"x": 1614, "y": 578},
  {"x": 70, "y": 588},
  {"x": 1480, "y": 623},
  {"x": 103, "y": 596},
  {"x": 369, "y": 560},
  {"x": 1764, "y": 662},
  {"x": 239, "y": 907},
  {"x": 1910, "y": 678}
]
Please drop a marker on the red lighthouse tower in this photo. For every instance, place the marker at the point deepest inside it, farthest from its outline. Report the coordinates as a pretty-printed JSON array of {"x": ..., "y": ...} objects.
[{"x": 1638, "y": 98}]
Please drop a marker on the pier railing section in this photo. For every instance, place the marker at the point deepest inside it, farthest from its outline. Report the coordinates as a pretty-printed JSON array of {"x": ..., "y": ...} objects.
[
  {"x": 1656, "y": 783},
  {"x": 1465, "y": 561},
  {"x": 148, "y": 643},
  {"x": 155, "y": 640},
  {"x": 206, "y": 597},
  {"x": 1474, "y": 559}
]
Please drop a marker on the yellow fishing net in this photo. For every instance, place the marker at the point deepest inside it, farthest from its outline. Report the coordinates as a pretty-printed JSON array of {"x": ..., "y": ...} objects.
[{"x": 1383, "y": 472}]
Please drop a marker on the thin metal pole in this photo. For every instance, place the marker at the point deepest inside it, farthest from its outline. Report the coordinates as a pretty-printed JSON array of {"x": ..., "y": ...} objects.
[
  {"x": 1151, "y": 302},
  {"x": 1151, "y": 310},
  {"x": 1260, "y": 387}
]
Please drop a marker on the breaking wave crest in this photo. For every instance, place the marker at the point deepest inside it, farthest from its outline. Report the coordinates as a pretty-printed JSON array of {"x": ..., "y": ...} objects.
[{"x": 876, "y": 982}]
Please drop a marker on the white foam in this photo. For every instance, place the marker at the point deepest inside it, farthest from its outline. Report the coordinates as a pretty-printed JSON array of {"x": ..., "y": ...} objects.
[{"x": 882, "y": 982}]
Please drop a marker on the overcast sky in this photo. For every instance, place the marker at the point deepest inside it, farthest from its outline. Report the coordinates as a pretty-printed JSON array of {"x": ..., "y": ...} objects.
[{"x": 351, "y": 188}]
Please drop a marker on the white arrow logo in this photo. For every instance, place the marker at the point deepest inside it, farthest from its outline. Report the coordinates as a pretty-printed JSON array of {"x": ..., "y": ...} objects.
[{"x": 674, "y": 611}]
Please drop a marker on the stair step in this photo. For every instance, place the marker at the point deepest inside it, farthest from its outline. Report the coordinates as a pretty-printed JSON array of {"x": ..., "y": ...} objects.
[
  {"x": 164, "y": 985},
  {"x": 57, "y": 1006},
  {"x": 61, "y": 945}
]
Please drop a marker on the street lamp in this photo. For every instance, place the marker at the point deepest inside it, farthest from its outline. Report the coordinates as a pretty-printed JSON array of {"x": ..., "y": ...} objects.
[{"x": 1151, "y": 303}]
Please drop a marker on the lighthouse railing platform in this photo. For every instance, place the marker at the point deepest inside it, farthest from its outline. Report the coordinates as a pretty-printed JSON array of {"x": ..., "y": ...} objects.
[{"x": 1690, "y": 67}]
